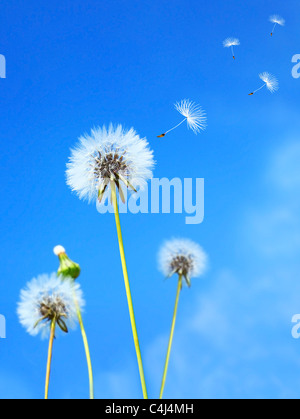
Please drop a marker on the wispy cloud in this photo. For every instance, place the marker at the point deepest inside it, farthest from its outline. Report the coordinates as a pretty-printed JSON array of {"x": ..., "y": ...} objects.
[{"x": 275, "y": 223}]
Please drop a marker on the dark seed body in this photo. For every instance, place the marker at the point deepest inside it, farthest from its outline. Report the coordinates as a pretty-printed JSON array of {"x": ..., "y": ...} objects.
[
  {"x": 109, "y": 166},
  {"x": 182, "y": 265}
]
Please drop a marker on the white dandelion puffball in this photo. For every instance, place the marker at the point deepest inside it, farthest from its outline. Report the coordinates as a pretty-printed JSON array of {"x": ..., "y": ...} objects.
[
  {"x": 184, "y": 257},
  {"x": 271, "y": 81},
  {"x": 106, "y": 155},
  {"x": 231, "y": 42},
  {"x": 45, "y": 298},
  {"x": 277, "y": 19},
  {"x": 194, "y": 114}
]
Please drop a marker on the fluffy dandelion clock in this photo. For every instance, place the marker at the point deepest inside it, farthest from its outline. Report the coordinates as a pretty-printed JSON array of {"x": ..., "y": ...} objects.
[
  {"x": 182, "y": 257},
  {"x": 231, "y": 43},
  {"x": 188, "y": 260},
  {"x": 46, "y": 300},
  {"x": 270, "y": 82},
  {"x": 47, "y": 303},
  {"x": 103, "y": 162},
  {"x": 277, "y": 20},
  {"x": 109, "y": 156},
  {"x": 193, "y": 114}
]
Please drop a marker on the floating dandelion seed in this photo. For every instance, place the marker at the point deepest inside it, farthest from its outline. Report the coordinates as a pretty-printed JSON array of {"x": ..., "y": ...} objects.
[
  {"x": 231, "y": 43},
  {"x": 106, "y": 157},
  {"x": 270, "y": 82},
  {"x": 46, "y": 303},
  {"x": 186, "y": 259},
  {"x": 193, "y": 114},
  {"x": 277, "y": 20}
]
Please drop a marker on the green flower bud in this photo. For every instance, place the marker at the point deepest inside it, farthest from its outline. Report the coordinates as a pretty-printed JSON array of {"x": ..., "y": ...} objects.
[{"x": 67, "y": 268}]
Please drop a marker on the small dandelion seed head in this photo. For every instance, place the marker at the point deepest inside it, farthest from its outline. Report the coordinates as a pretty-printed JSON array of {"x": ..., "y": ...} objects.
[
  {"x": 182, "y": 257},
  {"x": 47, "y": 298},
  {"x": 195, "y": 115},
  {"x": 231, "y": 42},
  {"x": 105, "y": 155},
  {"x": 58, "y": 250},
  {"x": 270, "y": 80},
  {"x": 277, "y": 19}
]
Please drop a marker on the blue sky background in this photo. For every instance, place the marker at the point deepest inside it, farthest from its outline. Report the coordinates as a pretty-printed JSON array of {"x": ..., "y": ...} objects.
[{"x": 75, "y": 64}]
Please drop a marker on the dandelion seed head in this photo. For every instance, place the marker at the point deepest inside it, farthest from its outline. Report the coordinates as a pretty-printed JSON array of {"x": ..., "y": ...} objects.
[
  {"x": 277, "y": 19},
  {"x": 271, "y": 81},
  {"x": 195, "y": 115},
  {"x": 108, "y": 154},
  {"x": 184, "y": 257},
  {"x": 45, "y": 298},
  {"x": 58, "y": 250},
  {"x": 231, "y": 42}
]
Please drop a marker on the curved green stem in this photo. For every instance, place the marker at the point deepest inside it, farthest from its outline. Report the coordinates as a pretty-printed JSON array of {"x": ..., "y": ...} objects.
[
  {"x": 128, "y": 292},
  {"x": 87, "y": 349},
  {"x": 50, "y": 350},
  {"x": 171, "y": 338}
]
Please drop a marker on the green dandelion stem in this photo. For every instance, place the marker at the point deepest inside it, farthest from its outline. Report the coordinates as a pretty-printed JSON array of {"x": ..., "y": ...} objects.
[
  {"x": 171, "y": 338},
  {"x": 128, "y": 292},
  {"x": 50, "y": 350},
  {"x": 87, "y": 349}
]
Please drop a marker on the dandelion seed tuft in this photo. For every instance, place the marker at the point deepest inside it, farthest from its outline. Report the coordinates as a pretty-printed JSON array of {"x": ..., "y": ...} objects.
[
  {"x": 270, "y": 81},
  {"x": 231, "y": 42},
  {"x": 58, "y": 250},
  {"x": 194, "y": 114},
  {"x": 277, "y": 20},
  {"x": 47, "y": 298}
]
